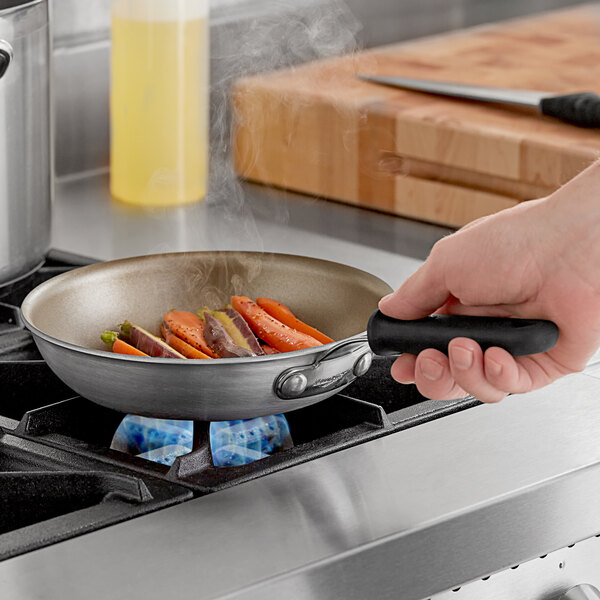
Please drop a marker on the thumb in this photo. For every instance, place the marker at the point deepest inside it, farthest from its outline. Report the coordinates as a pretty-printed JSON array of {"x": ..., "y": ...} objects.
[{"x": 420, "y": 295}]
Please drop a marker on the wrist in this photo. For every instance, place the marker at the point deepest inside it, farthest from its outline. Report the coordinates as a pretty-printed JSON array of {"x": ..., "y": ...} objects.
[
  {"x": 579, "y": 197},
  {"x": 572, "y": 224}
]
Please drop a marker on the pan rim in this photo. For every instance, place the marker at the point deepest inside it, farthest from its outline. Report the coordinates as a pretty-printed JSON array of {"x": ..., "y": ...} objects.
[
  {"x": 169, "y": 361},
  {"x": 155, "y": 360}
]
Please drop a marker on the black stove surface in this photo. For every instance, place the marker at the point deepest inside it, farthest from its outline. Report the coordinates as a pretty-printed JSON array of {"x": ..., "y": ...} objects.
[{"x": 63, "y": 479}]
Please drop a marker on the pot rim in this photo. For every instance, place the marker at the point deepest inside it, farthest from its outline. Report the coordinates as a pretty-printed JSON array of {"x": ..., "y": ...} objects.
[{"x": 15, "y": 5}]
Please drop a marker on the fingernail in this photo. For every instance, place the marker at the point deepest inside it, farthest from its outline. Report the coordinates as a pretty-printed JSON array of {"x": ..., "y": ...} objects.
[
  {"x": 462, "y": 358},
  {"x": 493, "y": 367},
  {"x": 431, "y": 369}
]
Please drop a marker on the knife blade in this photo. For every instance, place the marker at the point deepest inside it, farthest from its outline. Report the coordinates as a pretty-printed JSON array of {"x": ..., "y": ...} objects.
[{"x": 582, "y": 109}]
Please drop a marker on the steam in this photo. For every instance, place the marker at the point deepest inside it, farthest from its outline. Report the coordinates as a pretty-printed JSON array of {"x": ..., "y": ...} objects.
[
  {"x": 248, "y": 37},
  {"x": 276, "y": 34}
]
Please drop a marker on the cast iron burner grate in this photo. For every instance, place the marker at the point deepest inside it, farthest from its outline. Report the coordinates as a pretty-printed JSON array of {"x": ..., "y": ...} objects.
[
  {"x": 48, "y": 495},
  {"x": 58, "y": 434}
]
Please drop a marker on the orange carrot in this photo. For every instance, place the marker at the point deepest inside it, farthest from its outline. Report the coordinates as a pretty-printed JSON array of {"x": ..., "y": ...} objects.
[
  {"x": 111, "y": 339},
  {"x": 282, "y": 313},
  {"x": 269, "y": 349},
  {"x": 121, "y": 347},
  {"x": 190, "y": 328},
  {"x": 181, "y": 346},
  {"x": 269, "y": 329}
]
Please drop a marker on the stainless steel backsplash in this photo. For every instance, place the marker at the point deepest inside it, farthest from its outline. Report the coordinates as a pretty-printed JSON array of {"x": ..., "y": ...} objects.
[{"x": 247, "y": 36}]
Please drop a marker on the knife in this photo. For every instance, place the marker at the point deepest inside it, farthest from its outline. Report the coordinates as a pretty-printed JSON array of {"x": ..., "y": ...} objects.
[{"x": 581, "y": 109}]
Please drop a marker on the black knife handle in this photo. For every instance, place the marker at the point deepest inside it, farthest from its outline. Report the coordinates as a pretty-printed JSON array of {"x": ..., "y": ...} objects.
[
  {"x": 520, "y": 337},
  {"x": 581, "y": 109}
]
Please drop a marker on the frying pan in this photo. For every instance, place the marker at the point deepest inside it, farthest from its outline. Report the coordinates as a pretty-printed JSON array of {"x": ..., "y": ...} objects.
[{"x": 67, "y": 314}]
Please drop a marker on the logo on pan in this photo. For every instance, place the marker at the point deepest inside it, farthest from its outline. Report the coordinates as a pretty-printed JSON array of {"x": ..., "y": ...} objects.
[{"x": 329, "y": 382}]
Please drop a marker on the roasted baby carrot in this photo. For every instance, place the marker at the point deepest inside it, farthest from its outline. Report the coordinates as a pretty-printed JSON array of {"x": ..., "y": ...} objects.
[
  {"x": 219, "y": 340},
  {"x": 190, "y": 328},
  {"x": 235, "y": 326},
  {"x": 178, "y": 344},
  {"x": 282, "y": 313},
  {"x": 111, "y": 338},
  {"x": 269, "y": 329},
  {"x": 147, "y": 342},
  {"x": 269, "y": 349},
  {"x": 121, "y": 347}
]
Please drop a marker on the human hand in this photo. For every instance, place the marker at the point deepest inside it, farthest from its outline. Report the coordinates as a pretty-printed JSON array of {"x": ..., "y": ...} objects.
[{"x": 540, "y": 259}]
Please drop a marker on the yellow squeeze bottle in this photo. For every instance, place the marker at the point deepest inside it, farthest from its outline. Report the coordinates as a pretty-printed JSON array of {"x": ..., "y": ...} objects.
[{"x": 159, "y": 101}]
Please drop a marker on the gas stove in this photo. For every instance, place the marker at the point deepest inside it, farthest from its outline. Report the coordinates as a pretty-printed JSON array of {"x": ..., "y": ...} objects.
[
  {"x": 468, "y": 506},
  {"x": 379, "y": 496},
  {"x": 64, "y": 480}
]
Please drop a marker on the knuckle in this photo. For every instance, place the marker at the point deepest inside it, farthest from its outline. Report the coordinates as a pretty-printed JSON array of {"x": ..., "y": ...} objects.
[
  {"x": 439, "y": 249},
  {"x": 492, "y": 397}
]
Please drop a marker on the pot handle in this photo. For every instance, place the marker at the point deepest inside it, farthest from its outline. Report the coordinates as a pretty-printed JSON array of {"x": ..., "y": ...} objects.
[
  {"x": 583, "y": 591},
  {"x": 6, "y": 55},
  {"x": 520, "y": 337}
]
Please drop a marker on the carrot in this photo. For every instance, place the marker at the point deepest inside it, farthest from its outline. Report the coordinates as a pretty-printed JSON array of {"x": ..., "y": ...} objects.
[
  {"x": 121, "y": 347},
  {"x": 181, "y": 346},
  {"x": 269, "y": 349},
  {"x": 147, "y": 342},
  {"x": 282, "y": 313},
  {"x": 117, "y": 345},
  {"x": 190, "y": 328},
  {"x": 269, "y": 329}
]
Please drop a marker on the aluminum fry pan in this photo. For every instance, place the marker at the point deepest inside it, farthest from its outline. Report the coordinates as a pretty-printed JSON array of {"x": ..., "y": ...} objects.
[{"x": 67, "y": 314}]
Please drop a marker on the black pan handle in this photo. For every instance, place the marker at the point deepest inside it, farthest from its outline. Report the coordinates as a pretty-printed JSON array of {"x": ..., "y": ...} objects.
[
  {"x": 520, "y": 337},
  {"x": 581, "y": 109}
]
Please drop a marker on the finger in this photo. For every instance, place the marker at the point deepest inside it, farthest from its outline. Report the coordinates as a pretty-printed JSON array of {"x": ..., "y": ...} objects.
[
  {"x": 433, "y": 377},
  {"x": 453, "y": 306},
  {"x": 403, "y": 369},
  {"x": 505, "y": 373},
  {"x": 421, "y": 294},
  {"x": 466, "y": 366},
  {"x": 474, "y": 223}
]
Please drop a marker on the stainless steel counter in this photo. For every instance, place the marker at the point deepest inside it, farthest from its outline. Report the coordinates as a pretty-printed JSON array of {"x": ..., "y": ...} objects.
[
  {"x": 401, "y": 517},
  {"x": 244, "y": 217}
]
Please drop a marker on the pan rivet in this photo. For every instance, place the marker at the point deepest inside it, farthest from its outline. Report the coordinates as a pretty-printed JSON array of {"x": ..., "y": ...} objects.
[
  {"x": 363, "y": 364},
  {"x": 294, "y": 385}
]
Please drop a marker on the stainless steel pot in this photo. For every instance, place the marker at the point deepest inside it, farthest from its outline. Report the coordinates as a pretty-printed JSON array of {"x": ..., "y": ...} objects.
[{"x": 25, "y": 139}]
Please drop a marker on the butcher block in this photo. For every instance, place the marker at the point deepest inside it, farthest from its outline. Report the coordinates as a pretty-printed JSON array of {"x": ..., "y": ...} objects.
[{"x": 318, "y": 129}]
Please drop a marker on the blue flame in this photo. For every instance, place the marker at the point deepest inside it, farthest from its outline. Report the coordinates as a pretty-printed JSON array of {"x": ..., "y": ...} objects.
[{"x": 233, "y": 443}]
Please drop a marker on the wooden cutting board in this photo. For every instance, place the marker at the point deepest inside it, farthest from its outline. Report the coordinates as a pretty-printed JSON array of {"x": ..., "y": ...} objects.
[{"x": 317, "y": 129}]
